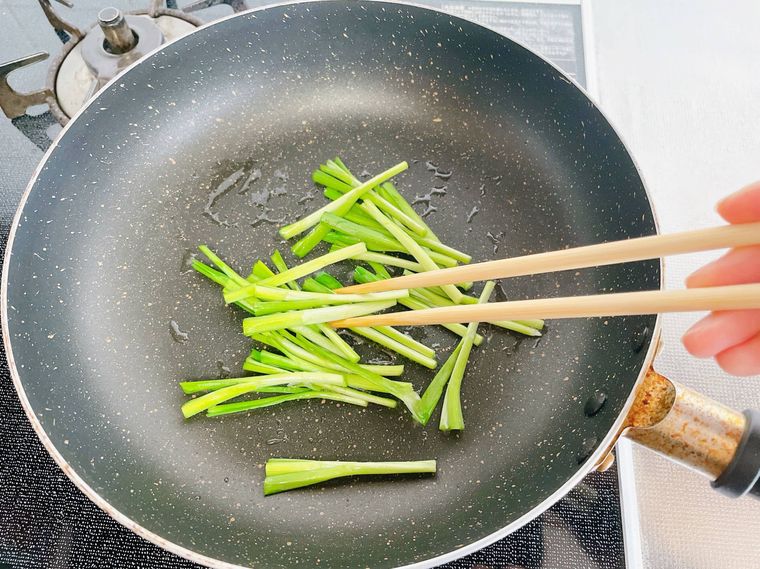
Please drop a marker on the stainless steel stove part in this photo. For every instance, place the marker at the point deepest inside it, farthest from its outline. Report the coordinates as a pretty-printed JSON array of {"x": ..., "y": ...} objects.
[
  {"x": 14, "y": 103},
  {"x": 90, "y": 58},
  {"x": 119, "y": 37},
  {"x": 236, "y": 5},
  {"x": 64, "y": 29},
  {"x": 87, "y": 65}
]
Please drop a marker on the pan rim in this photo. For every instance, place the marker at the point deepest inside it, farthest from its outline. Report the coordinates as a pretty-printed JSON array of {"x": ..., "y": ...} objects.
[{"x": 602, "y": 449}]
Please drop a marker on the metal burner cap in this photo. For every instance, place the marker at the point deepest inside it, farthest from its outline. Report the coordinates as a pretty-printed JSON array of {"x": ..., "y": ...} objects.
[
  {"x": 109, "y": 15},
  {"x": 105, "y": 62},
  {"x": 92, "y": 62}
]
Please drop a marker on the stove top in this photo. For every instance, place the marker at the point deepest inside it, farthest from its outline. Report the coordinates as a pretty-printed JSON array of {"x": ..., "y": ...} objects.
[{"x": 44, "y": 520}]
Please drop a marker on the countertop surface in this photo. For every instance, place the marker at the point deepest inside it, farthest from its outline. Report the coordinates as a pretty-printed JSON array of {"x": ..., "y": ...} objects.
[{"x": 682, "y": 85}]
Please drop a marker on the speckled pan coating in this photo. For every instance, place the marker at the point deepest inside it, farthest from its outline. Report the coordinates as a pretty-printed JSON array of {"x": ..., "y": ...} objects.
[{"x": 97, "y": 274}]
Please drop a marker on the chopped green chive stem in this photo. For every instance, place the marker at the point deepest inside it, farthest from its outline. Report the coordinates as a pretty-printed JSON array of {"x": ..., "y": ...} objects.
[
  {"x": 324, "y": 179},
  {"x": 451, "y": 416},
  {"x": 388, "y": 260},
  {"x": 341, "y": 165},
  {"x": 298, "y": 479},
  {"x": 313, "y": 238},
  {"x": 533, "y": 323},
  {"x": 341, "y": 205},
  {"x": 261, "y": 271},
  {"x": 311, "y": 285},
  {"x": 328, "y": 280},
  {"x": 316, "y": 364},
  {"x": 331, "y": 340},
  {"x": 432, "y": 394},
  {"x": 379, "y": 269},
  {"x": 331, "y": 168},
  {"x": 313, "y": 335},
  {"x": 268, "y": 293},
  {"x": 516, "y": 327},
  {"x": 406, "y": 340},
  {"x": 343, "y": 347},
  {"x": 346, "y": 179},
  {"x": 387, "y": 370},
  {"x": 314, "y": 265},
  {"x": 305, "y": 353},
  {"x": 222, "y": 279},
  {"x": 224, "y": 267},
  {"x": 358, "y": 216},
  {"x": 191, "y": 387},
  {"x": 344, "y": 240},
  {"x": 359, "y": 382},
  {"x": 284, "y": 389},
  {"x": 297, "y": 364},
  {"x": 275, "y": 306},
  {"x": 385, "y": 335},
  {"x": 359, "y": 225},
  {"x": 375, "y": 240},
  {"x": 392, "y": 211},
  {"x": 409, "y": 353},
  {"x": 411, "y": 246},
  {"x": 211, "y": 273},
  {"x": 355, "y": 393},
  {"x": 272, "y": 359},
  {"x": 362, "y": 275},
  {"x": 434, "y": 299},
  {"x": 279, "y": 264},
  {"x": 458, "y": 329},
  {"x": 255, "y": 324},
  {"x": 242, "y": 406},
  {"x": 251, "y": 364},
  {"x": 393, "y": 196},
  {"x": 265, "y": 293},
  {"x": 202, "y": 403},
  {"x": 305, "y": 359},
  {"x": 275, "y": 466},
  {"x": 438, "y": 247},
  {"x": 408, "y": 397}
]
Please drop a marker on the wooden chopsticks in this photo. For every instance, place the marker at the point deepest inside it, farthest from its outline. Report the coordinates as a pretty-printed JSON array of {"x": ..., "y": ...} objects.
[
  {"x": 620, "y": 304},
  {"x": 630, "y": 303},
  {"x": 580, "y": 257}
]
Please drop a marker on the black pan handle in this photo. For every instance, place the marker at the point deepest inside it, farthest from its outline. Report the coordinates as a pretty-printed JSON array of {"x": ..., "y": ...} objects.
[
  {"x": 702, "y": 434},
  {"x": 742, "y": 475}
]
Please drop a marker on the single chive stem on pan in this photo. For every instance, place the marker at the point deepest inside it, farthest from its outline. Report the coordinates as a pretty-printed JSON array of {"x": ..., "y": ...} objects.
[
  {"x": 289, "y": 474},
  {"x": 265, "y": 293},
  {"x": 432, "y": 394},
  {"x": 256, "y": 324},
  {"x": 242, "y": 406},
  {"x": 314, "y": 265},
  {"x": 451, "y": 416}
]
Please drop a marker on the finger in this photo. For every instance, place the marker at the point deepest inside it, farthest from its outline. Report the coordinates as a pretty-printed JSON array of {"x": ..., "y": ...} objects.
[
  {"x": 738, "y": 266},
  {"x": 720, "y": 331},
  {"x": 743, "y": 206},
  {"x": 743, "y": 359}
]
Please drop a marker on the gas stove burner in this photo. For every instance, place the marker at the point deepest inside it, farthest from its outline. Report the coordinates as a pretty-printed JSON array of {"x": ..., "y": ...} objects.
[
  {"x": 113, "y": 44},
  {"x": 91, "y": 58}
]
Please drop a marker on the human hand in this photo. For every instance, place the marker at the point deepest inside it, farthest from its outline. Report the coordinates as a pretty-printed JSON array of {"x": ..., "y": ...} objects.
[{"x": 732, "y": 337}]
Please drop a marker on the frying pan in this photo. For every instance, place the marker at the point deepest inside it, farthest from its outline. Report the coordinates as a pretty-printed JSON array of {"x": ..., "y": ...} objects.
[{"x": 96, "y": 278}]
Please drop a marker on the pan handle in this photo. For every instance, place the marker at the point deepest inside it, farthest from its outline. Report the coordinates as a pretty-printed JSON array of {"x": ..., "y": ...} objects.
[{"x": 693, "y": 430}]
